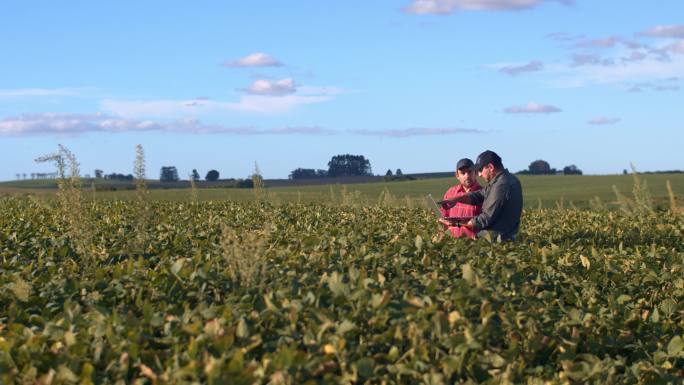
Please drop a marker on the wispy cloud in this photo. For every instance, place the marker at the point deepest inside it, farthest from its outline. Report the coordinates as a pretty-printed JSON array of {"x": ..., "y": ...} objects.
[
  {"x": 514, "y": 70},
  {"x": 677, "y": 47},
  {"x": 272, "y": 87},
  {"x": 79, "y": 124},
  {"x": 602, "y": 121},
  {"x": 532, "y": 108},
  {"x": 676, "y": 31},
  {"x": 262, "y": 97},
  {"x": 258, "y": 59},
  {"x": 564, "y": 37},
  {"x": 589, "y": 59},
  {"x": 445, "y": 7},
  {"x": 648, "y": 69},
  {"x": 607, "y": 42},
  {"x": 40, "y": 92},
  {"x": 417, "y": 131},
  {"x": 669, "y": 84},
  {"x": 75, "y": 124}
]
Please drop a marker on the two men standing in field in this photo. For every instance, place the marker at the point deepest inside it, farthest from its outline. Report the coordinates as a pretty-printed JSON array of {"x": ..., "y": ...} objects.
[{"x": 499, "y": 203}]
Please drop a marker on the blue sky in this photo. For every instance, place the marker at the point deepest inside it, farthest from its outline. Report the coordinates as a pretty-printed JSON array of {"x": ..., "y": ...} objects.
[{"x": 410, "y": 84}]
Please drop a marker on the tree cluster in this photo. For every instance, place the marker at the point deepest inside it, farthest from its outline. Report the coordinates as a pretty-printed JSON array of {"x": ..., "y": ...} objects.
[
  {"x": 168, "y": 174},
  {"x": 542, "y": 167},
  {"x": 349, "y": 165},
  {"x": 571, "y": 170},
  {"x": 212, "y": 175},
  {"x": 308, "y": 173},
  {"x": 397, "y": 176},
  {"x": 339, "y": 165},
  {"x": 115, "y": 176}
]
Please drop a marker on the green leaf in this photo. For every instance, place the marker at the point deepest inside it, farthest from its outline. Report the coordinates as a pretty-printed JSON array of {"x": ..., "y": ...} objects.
[
  {"x": 623, "y": 298},
  {"x": 365, "y": 367},
  {"x": 336, "y": 285},
  {"x": 668, "y": 307},
  {"x": 344, "y": 326},
  {"x": 468, "y": 273},
  {"x": 419, "y": 243},
  {"x": 676, "y": 346},
  {"x": 177, "y": 265},
  {"x": 242, "y": 331}
]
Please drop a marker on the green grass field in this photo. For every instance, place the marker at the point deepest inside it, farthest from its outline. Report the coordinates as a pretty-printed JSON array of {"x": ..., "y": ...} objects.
[{"x": 549, "y": 190}]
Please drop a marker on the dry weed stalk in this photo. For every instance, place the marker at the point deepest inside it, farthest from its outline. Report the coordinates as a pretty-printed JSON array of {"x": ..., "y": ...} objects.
[
  {"x": 194, "y": 194},
  {"x": 670, "y": 194},
  {"x": 80, "y": 226},
  {"x": 142, "y": 205},
  {"x": 642, "y": 196},
  {"x": 257, "y": 182},
  {"x": 245, "y": 254}
]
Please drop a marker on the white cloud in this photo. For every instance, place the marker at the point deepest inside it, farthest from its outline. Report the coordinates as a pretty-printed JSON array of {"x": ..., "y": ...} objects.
[
  {"x": 664, "y": 31},
  {"x": 564, "y": 37},
  {"x": 590, "y": 59},
  {"x": 645, "y": 70},
  {"x": 258, "y": 59},
  {"x": 272, "y": 98},
  {"x": 443, "y": 7},
  {"x": 677, "y": 47},
  {"x": 272, "y": 87},
  {"x": 602, "y": 121},
  {"x": 68, "y": 124},
  {"x": 514, "y": 70},
  {"x": 40, "y": 92},
  {"x": 532, "y": 108},
  {"x": 618, "y": 60},
  {"x": 418, "y": 131},
  {"x": 607, "y": 42},
  {"x": 74, "y": 124},
  {"x": 669, "y": 84}
]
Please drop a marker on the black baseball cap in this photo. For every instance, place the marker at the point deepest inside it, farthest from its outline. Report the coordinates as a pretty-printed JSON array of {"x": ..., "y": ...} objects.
[
  {"x": 464, "y": 163},
  {"x": 486, "y": 158}
]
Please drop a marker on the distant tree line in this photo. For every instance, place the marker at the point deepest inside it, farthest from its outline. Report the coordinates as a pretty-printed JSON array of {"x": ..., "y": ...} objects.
[
  {"x": 115, "y": 176},
  {"x": 542, "y": 167},
  {"x": 339, "y": 165},
  {"x": 398, "y": 175}
]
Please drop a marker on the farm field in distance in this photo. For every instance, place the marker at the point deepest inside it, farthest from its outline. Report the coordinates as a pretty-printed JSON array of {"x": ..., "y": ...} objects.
[{"x": 550, "y": 190}]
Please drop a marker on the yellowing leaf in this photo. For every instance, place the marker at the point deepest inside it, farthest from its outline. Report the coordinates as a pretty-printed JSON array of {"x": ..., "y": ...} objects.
[
  {"x": 454, "y": 316},
  {"x": 21, "y": 289},
  {"x": 585, "y": 261},
  {"x": 147, "y": 372},
  {"x": 329, "y": 349},
  {"x": 242, "y": 331}
]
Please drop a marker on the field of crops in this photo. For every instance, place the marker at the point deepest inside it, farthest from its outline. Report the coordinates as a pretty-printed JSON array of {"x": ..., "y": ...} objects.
[
  {"x": 222, "y": 292},
  {"x": 545, "y": 190}
]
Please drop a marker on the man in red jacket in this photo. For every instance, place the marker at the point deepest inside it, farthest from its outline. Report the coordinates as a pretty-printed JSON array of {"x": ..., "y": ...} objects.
[{"x": 465, "y": 173}]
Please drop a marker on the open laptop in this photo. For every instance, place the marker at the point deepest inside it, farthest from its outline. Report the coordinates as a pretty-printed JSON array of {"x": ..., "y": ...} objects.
[{"x": 438, "y": 212}]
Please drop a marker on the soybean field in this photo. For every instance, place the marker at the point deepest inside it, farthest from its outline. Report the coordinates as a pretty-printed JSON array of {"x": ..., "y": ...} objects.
[{"x": 143, "y": 291}]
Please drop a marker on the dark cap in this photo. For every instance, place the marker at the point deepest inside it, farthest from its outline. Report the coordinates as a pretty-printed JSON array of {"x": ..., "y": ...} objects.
[
  {"x": 486, "y": 158},
  {"x": 464, "y": 163}
]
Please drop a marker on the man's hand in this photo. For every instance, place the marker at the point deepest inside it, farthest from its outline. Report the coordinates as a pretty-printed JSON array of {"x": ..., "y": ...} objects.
[
  {"x": 447, "y": 204},
  {"x": 452, "y": 222}
]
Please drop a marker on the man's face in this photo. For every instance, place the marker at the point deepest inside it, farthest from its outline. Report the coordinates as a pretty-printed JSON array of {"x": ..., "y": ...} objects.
[
  {"x": 487, "y": 172},
  {"x": 466, "y": 176}
]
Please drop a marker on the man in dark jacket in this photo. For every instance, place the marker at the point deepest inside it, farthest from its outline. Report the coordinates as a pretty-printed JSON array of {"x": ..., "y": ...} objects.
[{"x": 501, "y": 200}]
